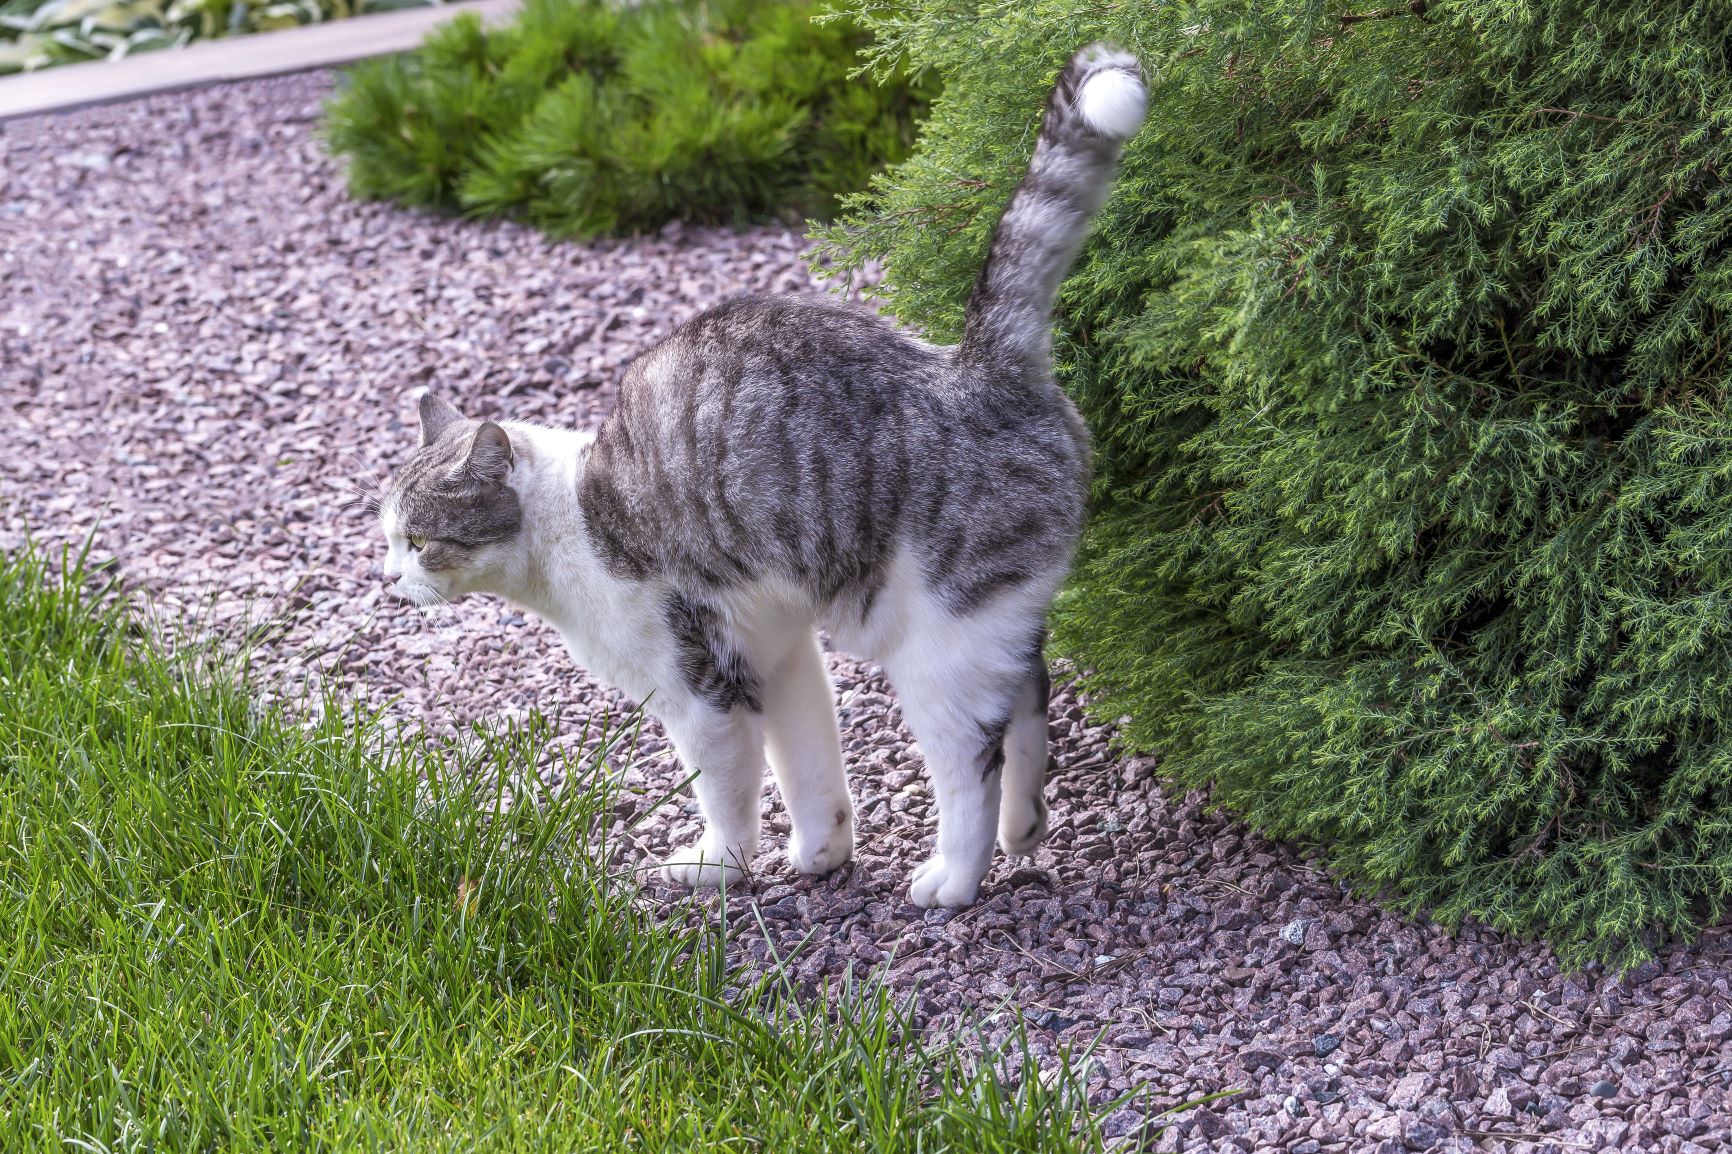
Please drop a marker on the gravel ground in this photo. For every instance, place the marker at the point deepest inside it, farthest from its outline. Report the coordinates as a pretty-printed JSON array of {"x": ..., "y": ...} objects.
[{"x": 205, "y": 348}]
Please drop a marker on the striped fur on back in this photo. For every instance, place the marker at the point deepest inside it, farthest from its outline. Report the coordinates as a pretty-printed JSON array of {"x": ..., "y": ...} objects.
[{"x": 809, "y": 439}]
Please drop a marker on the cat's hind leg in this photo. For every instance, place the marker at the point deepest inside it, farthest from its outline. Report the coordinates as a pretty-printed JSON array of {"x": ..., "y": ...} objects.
[
  {"x": 959, "y": 711},
  {"x": 725, "y": 749},
  {"x": 1022, "y": 815},
  {"x": 805, "y": 753}
]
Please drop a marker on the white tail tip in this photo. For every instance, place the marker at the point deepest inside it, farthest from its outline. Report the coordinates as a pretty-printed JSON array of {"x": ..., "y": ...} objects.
[{"x": 1113, "y": 100}]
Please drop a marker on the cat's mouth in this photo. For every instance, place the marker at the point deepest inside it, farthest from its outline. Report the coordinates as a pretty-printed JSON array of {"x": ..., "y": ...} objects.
[{"x": 420, "y": 595}]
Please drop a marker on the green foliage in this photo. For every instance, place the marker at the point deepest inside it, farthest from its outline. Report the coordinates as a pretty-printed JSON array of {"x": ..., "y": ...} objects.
[
  {"x": 228, "y": 928},
  {"x": 40, "y": 33},
  {"x": 1401, "y": 344},
  {"x": 585, "y": 116}
]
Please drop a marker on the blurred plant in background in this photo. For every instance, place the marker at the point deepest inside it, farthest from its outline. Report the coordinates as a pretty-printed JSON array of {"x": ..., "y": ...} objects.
[
  {"x": 586, "y": 116},
  {"x": 41, "y": 33}
]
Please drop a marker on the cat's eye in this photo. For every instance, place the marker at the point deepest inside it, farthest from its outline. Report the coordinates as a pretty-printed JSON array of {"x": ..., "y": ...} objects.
[{"x": 417, "y": 543}]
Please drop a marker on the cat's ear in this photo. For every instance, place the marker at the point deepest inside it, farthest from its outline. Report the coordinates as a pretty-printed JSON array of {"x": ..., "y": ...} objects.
[
  {"x": 437, "y": 415},
  {"x": 489, "y": 455}
]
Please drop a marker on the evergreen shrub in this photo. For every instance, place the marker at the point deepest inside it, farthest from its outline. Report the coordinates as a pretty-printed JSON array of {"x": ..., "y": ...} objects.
[
  {"x": 1402, "y": 346},
  {"x": 588, "y": 116}
]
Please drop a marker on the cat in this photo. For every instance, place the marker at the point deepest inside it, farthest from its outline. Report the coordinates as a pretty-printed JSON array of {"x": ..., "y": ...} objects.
[{"x": 776, "y": 466}]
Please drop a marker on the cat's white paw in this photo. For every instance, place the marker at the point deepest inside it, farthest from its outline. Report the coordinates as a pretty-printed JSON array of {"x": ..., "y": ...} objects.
[
  {"x": 1022, "y": 828},
  {"x": 937, "y": 883},
  {"x": 829, "y": 848},
  {"x": 823, "y": 857},
  {"x": 705, "y": 866}
]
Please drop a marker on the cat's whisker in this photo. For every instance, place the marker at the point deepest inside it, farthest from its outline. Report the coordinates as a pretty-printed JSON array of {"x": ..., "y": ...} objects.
[
  {"x": 367, "y": 503},
  {"x": 362, "y": 471},
  {"x": 422, "y": 615},
  {"x": 356, "y": 484},
  {"x": 353, "y": 462},
  {"x": 437, "y": 613},
  {"x": 365, "y": 487},
  {"x": 360, "y": 485}
]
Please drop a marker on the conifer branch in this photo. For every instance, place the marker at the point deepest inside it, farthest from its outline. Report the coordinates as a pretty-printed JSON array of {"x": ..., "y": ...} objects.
[
  {"x": 1578, "y": 115},
  {"x": 1414, "y": 8}
]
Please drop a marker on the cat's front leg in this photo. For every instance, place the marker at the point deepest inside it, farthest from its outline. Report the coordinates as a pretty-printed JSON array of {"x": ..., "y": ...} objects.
[
  {"x": 805, "y": 754},
  {"x": 726, "y": 752}
]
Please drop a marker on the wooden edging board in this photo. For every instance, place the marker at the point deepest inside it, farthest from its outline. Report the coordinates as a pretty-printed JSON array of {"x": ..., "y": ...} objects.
[{"x": 202, "y": 62}]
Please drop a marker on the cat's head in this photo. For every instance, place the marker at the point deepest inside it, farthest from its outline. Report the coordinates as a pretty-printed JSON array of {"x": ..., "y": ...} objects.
[{"x": 451, "y": 517}]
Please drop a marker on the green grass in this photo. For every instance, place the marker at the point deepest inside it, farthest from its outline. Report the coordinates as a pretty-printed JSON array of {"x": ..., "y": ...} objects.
[{"x": 227, "y": 928}]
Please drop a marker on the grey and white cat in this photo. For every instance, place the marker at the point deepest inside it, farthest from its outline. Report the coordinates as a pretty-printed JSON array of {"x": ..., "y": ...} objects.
[{"x": 781, "y": 465}]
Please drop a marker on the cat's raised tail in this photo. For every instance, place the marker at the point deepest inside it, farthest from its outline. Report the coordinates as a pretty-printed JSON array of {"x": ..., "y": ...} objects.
[{"x": 1096, "y": 106}]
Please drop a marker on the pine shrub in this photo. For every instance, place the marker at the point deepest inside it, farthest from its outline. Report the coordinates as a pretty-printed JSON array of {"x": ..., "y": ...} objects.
[
  {"x": 1401, "y": 344},
  {"x": 587, "y": 116}
]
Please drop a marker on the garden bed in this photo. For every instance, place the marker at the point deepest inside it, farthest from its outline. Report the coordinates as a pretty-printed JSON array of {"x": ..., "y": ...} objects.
[
  {"x": 37, "y": 34},
  {"x": 204, "y": 349}
]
